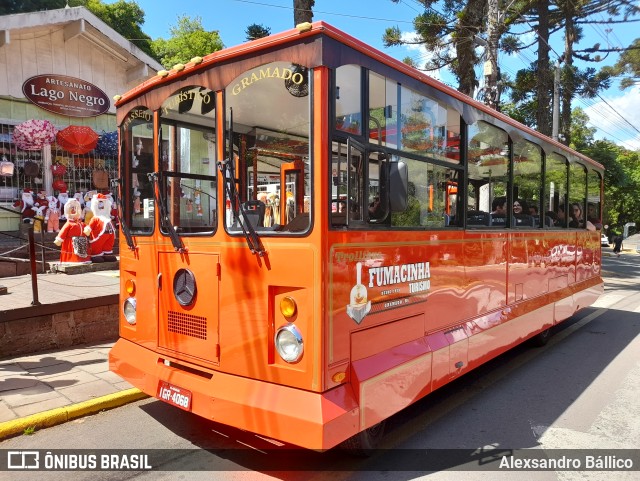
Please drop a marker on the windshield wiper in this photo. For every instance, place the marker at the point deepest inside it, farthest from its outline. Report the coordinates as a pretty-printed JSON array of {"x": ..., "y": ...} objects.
[
  {"x": 227, "y": 170},
  {"x": 165, "y": 222}
]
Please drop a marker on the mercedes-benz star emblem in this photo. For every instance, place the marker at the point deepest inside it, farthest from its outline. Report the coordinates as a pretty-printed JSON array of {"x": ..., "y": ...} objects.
[{"x": 184, "y": 287}]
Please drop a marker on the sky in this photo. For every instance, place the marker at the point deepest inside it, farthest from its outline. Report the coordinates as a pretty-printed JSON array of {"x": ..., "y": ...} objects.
[{"x": 616, "y": 114}]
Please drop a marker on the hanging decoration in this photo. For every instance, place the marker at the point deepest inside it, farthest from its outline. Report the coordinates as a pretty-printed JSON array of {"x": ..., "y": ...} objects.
[
  {"x": 108, "y": 144},
  {"x": 77, "y": 139},
  {"x": 33, "y": 134}
]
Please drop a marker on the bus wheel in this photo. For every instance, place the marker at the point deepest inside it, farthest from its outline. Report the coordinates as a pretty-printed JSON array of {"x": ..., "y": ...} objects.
[
  {"x": 365, "y": 442},
  {"x": 541, "y": 338}
]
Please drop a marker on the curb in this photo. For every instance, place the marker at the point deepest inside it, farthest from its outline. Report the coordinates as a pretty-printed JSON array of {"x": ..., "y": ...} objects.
[{"x": 61, "y": 415}]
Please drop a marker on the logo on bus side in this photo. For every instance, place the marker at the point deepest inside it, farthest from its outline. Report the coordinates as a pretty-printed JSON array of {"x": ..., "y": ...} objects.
[
  {"x": 267, "y": 73},
  {"x": 402, "y": 284}
]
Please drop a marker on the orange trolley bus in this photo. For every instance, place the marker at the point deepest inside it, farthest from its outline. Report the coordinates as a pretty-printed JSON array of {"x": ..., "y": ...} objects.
[{"x": 315, "y": 235}]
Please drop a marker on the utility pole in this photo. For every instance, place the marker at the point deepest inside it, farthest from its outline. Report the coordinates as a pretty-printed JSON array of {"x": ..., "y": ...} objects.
[{"x": 491, "y": 71}]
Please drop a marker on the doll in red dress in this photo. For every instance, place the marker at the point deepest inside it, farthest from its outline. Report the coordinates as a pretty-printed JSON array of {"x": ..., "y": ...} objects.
[
  {"x": 71, "y": 238},
  {"x": 101, "y": 232}
]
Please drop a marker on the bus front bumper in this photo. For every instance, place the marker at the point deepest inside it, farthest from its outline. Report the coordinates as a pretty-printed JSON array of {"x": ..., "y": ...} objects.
[{"x": 312, "y": 420}]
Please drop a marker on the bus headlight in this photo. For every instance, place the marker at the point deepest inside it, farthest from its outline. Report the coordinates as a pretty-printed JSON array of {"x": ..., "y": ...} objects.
[
  {"x": 289, "y": 343},
  {"x": 129, "y": 310}
]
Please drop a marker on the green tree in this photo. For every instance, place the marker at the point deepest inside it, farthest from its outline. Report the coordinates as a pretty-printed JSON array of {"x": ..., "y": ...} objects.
[
  {"x": 188, "y": 39},
  {"x": 449, "y": 35},
  {"x": 621, "y": 183},
  {"x": 125, "y": 17},
  {"x": 569, "y": 18},
  {"x": 581, "y": 133},
  {"x": 255, "y": 31},
  {"x": 628, "y": 64},
  {"x": 8, "y": 7}
]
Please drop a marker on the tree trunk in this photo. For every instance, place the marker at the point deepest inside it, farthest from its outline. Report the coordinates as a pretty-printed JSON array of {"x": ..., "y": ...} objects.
[
  {"x": 545, "y": 75},
  {"x": 302, "y": 11},
  {"x": 569, "y": 77}
]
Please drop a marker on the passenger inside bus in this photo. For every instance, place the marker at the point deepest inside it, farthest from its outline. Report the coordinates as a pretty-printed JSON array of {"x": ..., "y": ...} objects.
[
  {"x": 576, "y": 216},
  {"x": 561, "y": 217},
  {"x": 592, "y": 216},
  {"x": 499, "y": 211},
  {"x": 375, "y": 209},
  {"x": 520, "y": 218}
]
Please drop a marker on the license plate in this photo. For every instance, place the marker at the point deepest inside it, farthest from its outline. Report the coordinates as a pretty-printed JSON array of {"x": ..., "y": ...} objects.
[{"x": 174, "y": 395}]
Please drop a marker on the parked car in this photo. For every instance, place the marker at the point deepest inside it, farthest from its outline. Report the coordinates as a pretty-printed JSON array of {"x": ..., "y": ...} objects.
[{"x": 604, "y": 240}]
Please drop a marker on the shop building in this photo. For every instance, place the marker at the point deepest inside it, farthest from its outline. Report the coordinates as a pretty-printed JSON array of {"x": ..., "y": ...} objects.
[{"x": 59, "y": 72}]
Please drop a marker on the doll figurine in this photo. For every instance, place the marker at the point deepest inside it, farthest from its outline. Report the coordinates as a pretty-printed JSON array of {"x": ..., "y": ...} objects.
[
  {"x": 38, "y": 218},
  {"x": 53, "y": 215},
  {"x": 102, "y": 234},
  {"x": 26, "y": 206},
  {"x": 74, "y": 245},
  {"x": 63, "y": 197}
]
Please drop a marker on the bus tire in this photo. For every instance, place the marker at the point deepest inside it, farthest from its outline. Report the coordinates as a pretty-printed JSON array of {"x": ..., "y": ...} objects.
[
  {"x": 365, "y": 442},
  {"x": 541, "y": 338}
]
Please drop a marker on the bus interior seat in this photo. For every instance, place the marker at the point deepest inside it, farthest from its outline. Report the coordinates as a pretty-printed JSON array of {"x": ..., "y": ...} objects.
[
  {"x": 254, "y": 212},
  {"x": 338, "y": 218},
  {"x": 477, "y": 217},
  {"x": 338, "y": 212},
  {"x": 299, "y": 223}
]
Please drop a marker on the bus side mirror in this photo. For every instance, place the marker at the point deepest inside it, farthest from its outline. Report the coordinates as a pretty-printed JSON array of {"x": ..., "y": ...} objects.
[{"x": 398, "y": 181}]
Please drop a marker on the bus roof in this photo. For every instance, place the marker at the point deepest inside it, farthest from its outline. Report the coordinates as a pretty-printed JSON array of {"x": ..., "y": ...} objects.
[{"x": 320, "y": 28}]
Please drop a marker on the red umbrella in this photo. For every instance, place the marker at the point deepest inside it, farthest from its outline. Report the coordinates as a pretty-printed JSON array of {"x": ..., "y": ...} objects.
[
  {"x": 33, "y": 134},
  {"x": 77, "y": 139}
]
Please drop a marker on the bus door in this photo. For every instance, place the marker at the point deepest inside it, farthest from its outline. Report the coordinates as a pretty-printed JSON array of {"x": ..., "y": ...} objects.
[{"x": 188, "y": 297}]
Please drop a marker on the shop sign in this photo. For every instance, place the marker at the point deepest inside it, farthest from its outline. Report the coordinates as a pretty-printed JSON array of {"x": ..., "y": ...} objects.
[{"x": 66, "y": 95}]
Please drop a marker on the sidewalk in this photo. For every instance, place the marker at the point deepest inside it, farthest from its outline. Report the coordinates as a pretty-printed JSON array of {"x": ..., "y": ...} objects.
[{"x": 51, "y": 387}]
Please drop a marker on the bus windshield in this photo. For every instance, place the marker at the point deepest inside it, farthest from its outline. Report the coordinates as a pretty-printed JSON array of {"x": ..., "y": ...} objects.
[
  {"x": 270, "y": 129},
  {"x": 188, "y": 161}
]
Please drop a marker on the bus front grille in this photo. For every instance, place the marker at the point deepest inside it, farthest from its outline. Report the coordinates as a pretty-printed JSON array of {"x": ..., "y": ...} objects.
[{"x": 187, "y": 324}]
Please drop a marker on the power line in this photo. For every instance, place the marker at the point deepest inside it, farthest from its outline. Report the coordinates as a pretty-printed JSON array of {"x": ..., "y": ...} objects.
[{"x": 377, "y": 19}]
